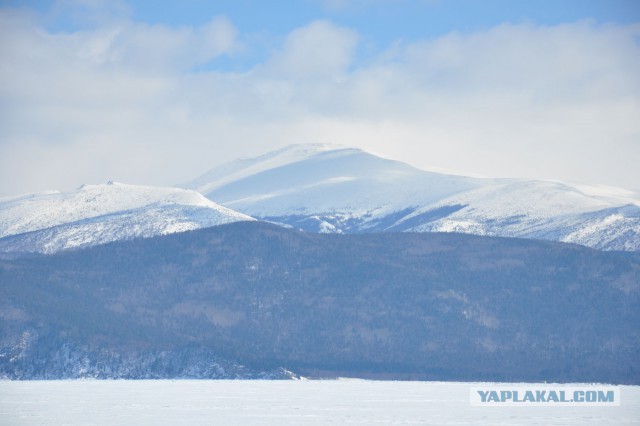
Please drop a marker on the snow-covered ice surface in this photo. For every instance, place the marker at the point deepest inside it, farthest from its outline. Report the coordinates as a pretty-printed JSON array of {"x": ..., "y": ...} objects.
[
  {"x": 282, "y": 403},
  {"x": 96, "y": 214}
]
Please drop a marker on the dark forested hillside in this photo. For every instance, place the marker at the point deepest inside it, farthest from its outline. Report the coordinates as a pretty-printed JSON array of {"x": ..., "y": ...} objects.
[{"x": 393, "y": 305}]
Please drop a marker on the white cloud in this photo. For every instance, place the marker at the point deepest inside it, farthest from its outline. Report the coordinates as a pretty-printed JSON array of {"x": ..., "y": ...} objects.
[
  {"x": 318, "y": 50},
  {"x": 157, "y": 48},
  {"x": 122, "y": 101}
]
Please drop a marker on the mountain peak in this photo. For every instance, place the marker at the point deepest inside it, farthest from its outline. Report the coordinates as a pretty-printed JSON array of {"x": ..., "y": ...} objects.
[
  {"x": 244, "y": 167},
  {"x": 333, "y": 188}
]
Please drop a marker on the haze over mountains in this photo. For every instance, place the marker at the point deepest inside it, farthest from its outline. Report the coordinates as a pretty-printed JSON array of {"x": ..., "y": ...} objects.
[{"x": 330, "y": 189}]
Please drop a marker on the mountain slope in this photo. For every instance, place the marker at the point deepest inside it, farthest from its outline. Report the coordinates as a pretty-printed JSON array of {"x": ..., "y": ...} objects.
[
  {"x": 388, "y": 305},
  {"x": 97, "y": 214},
  {"x": 325, "y": 188}
]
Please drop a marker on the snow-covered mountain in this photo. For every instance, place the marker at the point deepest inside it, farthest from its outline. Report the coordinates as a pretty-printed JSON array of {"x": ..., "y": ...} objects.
[
  {"x": 325, "y": 188},
  {"x": 96, "y": 214},
  {"x": 328, "y": 188}
]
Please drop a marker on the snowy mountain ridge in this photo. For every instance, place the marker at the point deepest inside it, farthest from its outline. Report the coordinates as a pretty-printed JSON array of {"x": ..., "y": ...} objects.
[
  {"x": 325, "y": 188},
  {"x": 96, "y": 214},
  {"x": 329, "y": 188}
]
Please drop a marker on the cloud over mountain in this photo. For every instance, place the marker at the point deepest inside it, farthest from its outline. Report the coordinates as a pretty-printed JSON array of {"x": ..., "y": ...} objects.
[{"x": 129, "y": 100}]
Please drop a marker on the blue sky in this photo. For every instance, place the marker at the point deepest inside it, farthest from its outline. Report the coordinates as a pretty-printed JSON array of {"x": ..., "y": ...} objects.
[
  {"x": 382, "y": 20},
  {"x": 158, "y": 92}
]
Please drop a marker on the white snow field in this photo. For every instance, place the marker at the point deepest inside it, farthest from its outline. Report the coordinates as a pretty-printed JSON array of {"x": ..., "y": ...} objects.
[{"x": 185, "y": 402}]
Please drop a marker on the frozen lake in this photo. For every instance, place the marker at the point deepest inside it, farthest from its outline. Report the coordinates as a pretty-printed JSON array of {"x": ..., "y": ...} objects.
[{"x": 281, "y": 403}]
